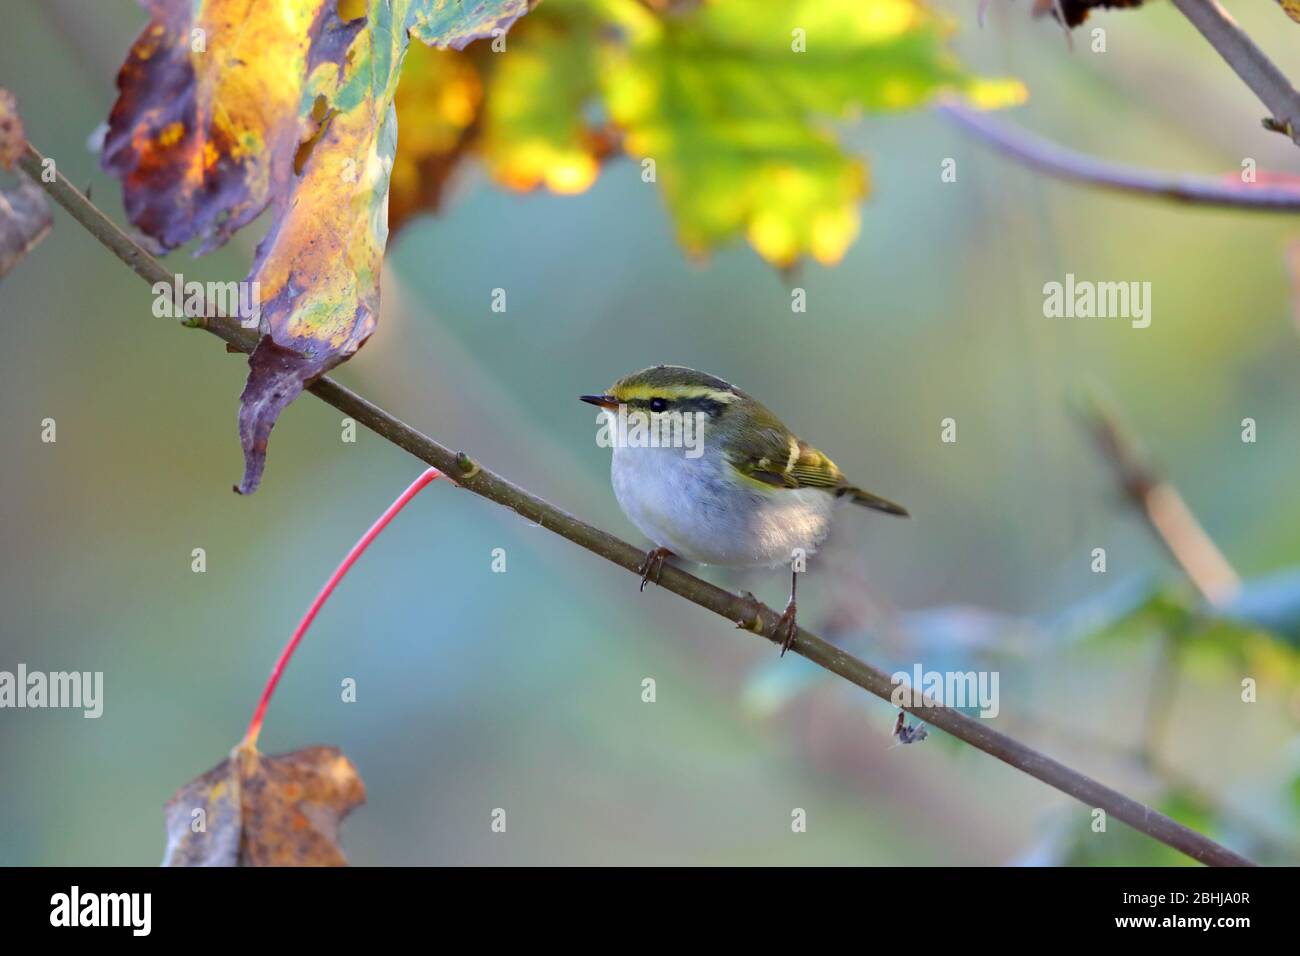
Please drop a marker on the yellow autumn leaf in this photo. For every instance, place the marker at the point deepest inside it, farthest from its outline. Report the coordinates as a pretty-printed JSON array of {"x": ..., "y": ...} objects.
[{"x": 226, "y": 108}]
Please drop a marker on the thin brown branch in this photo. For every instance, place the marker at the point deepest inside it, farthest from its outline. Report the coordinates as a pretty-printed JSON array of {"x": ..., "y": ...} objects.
[
  {"x": 1169, "y": 776},
  {"x": 757, "y": 617},
  {"x": 1055, "y": 160},
  {"x": 1249, "y": 62}
]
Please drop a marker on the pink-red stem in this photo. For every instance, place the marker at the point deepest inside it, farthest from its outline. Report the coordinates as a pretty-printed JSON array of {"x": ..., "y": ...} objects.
[{"x": 358, "y": 549}]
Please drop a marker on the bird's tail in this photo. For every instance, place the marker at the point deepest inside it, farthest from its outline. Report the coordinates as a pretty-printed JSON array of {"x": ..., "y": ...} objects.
[{"x": 874, "y": 502}]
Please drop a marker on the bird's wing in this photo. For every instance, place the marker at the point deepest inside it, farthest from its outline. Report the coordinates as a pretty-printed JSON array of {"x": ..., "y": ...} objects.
[{"x": 781, "y": 460}]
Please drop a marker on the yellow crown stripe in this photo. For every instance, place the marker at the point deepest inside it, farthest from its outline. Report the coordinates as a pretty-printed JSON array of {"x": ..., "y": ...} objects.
[{"x": 675, "y": 392}]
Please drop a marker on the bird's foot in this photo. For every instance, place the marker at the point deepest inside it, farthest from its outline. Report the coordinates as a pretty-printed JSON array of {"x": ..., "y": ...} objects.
[
  {"x": 786, "y": 628},
  {"x": 653, "y": 565}
]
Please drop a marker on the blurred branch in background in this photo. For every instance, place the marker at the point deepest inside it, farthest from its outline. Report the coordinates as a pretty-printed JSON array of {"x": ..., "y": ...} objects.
[
  {"x": 1249, "y": 62},
  {"x": 748, "y": 612},
  {"x": 1167, "y": 515},
  {"x": 1055, "y": 160},
  {"x": 1238, "y": 50},
  {"x": 1159, "y": 502}
]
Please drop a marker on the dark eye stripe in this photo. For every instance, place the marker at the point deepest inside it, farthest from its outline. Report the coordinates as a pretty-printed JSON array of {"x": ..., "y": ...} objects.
[
  {"x": 704, "y": 404},
  {"x": 700, "y": 403}
]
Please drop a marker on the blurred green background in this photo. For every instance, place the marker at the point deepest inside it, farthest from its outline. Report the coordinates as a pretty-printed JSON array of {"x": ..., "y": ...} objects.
[{"x": 522, "y": 690}]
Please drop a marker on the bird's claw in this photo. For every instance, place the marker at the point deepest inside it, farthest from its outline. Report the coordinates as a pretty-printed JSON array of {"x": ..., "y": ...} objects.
[
  {"x": 652, "y": 566},
  {"x": 786, "y": 628}
]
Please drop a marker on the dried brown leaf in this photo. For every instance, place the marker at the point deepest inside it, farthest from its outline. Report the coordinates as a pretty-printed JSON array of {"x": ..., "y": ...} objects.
[
  {"x": 258, "y": 810},
  {"x": 13, "y": 140},
  {"x": 24, "y": 221}
]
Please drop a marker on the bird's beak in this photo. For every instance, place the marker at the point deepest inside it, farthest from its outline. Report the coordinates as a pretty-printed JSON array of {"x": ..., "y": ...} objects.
[{"x": 603, "y": 401}]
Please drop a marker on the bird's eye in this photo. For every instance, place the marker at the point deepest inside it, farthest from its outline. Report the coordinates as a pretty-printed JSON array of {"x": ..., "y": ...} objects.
[{"x": 658, "y": 404}]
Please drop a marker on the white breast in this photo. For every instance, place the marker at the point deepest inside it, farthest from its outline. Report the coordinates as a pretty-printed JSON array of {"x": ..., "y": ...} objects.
[{"x": 697, "y": 508}]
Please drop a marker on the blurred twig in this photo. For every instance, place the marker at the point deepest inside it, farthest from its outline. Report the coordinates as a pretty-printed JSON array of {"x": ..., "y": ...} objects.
[
  {"x": 1055, "y": 160},
  {"x": 1173, "y": 522},
  {"x": 1163, "y": 507},
  {"x": 1249, "y": 62},
  {"x": 748, "y": 612}
]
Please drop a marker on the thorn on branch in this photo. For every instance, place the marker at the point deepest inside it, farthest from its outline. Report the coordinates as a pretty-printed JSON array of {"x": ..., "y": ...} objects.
[
  {"x": 1276, "y": 126},
  {"x": 468, "y": 466}
]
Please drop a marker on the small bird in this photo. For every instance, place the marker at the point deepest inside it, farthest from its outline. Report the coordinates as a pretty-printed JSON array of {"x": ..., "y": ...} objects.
[{"x": 736, "y": 488}]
